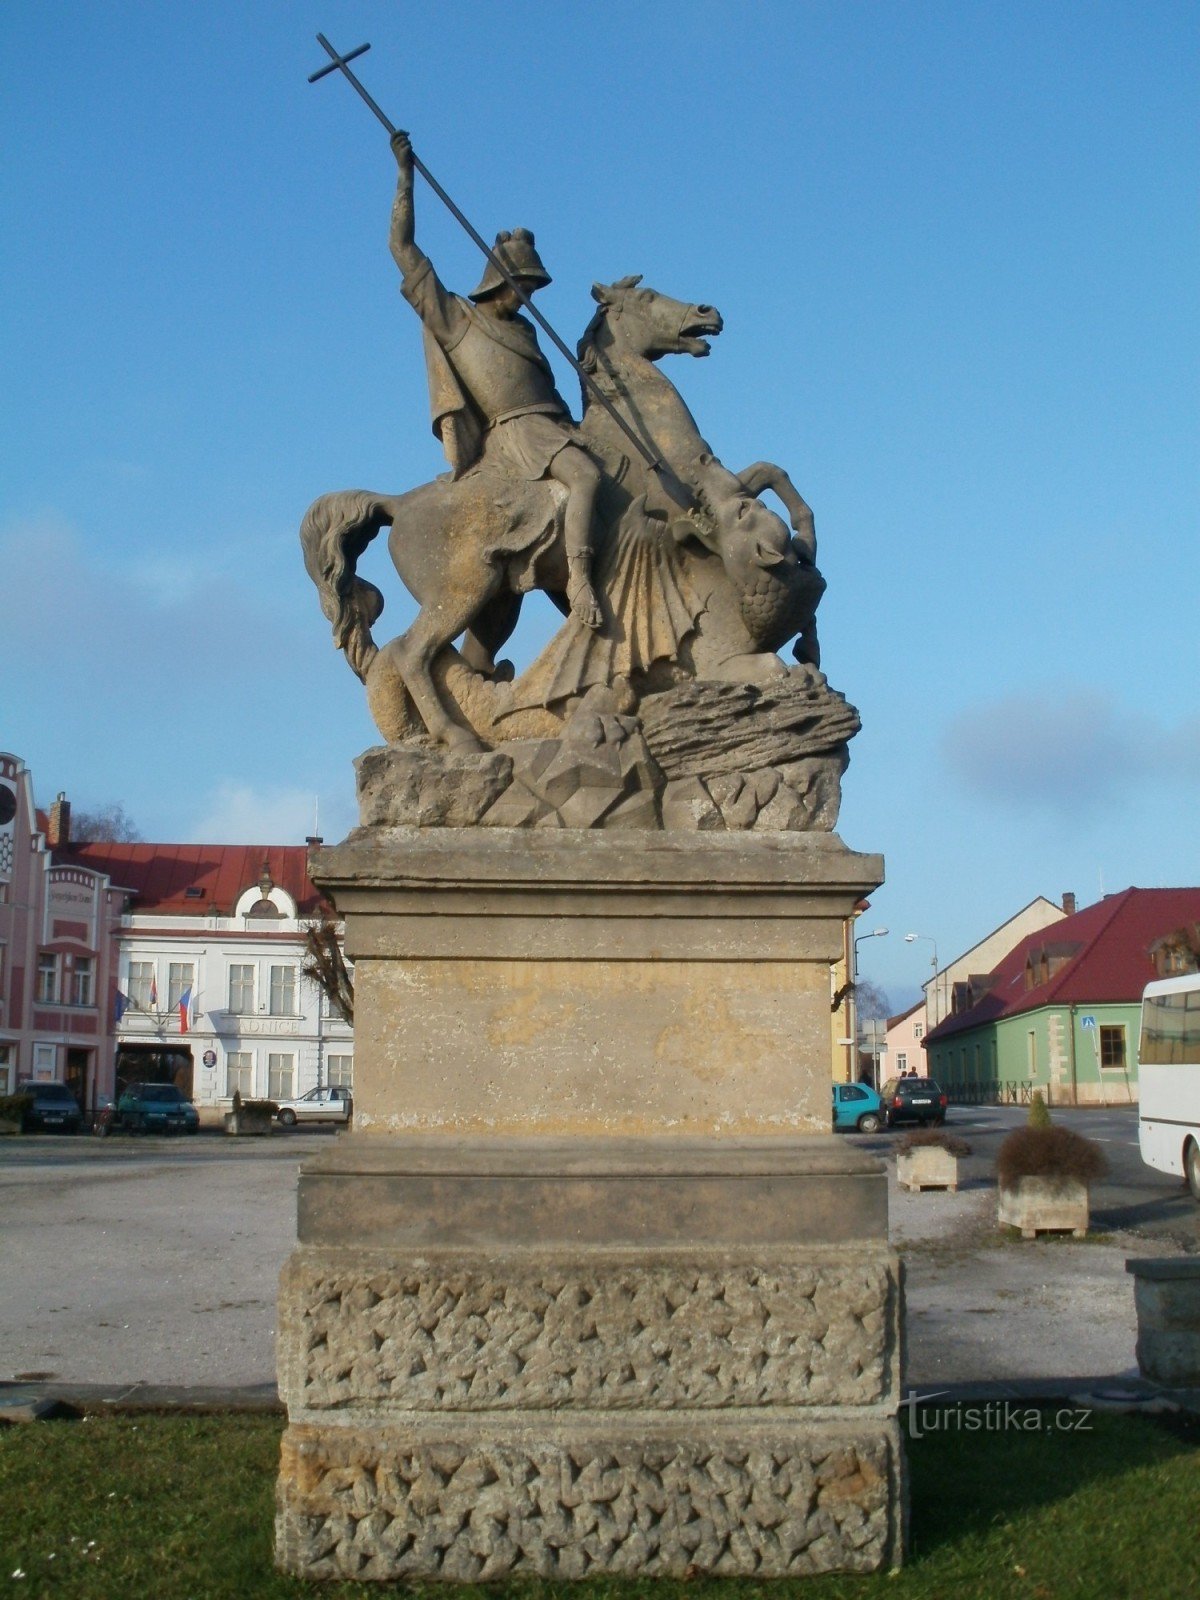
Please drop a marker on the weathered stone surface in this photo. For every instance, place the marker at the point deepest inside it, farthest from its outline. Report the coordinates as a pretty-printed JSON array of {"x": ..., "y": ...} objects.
[
  {"x": 1167, "y": 1297},
  {"x": 703, "y": 729},
  {"x": 927, "y": 1166},
  {"x": 1044, "y": 1205},
  {"x": 750, "y": 1498},
  {"x": 428, "y": 788},
  {"x": 424, "y": 1195},
  {"x": 601, "y": 1331}
]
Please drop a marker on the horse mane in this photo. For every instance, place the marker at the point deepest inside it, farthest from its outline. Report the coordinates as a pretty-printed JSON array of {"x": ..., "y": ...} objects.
[
  {"x": 337, "y": 528},
  {"x": 585, "y": 350}
]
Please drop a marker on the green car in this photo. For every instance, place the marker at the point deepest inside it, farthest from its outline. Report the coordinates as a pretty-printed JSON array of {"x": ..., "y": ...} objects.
[{"x": 156, "y": 1108}]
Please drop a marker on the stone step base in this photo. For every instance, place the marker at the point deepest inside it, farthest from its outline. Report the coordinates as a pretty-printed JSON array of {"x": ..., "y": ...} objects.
[{"x": 482, "y": 1501}]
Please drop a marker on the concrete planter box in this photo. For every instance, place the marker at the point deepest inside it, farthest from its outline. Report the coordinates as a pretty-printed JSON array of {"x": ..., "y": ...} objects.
[
  {"x": 248, "y": 1122},
  {"x": 927, "y": 1167},
  {"x": 1045, "y": 1205},
  {"x": 1166, "y": 1293}
]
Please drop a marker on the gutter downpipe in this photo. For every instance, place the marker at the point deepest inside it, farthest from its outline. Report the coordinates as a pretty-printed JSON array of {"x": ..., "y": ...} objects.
[{"x": 1071, "y": 1056}]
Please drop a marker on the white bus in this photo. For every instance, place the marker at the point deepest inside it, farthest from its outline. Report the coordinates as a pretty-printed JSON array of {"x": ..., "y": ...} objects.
[{"x": 1169, "y": 1078}]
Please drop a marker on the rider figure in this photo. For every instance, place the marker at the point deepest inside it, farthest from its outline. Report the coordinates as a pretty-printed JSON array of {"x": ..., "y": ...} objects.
[{"x": 505, "y": 404}]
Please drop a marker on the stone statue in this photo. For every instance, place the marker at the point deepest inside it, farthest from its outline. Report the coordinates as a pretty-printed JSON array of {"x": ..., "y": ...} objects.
[{"x": 661, "y": 702}]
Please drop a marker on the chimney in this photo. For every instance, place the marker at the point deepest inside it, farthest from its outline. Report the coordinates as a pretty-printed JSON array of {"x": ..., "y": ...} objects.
[
  {"x": 312, "y": 840},
  {"x": 1069, "y": 904},
  {"x": 58, "y": 834}
]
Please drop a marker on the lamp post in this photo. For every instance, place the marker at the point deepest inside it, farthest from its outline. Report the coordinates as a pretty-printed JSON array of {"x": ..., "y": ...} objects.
[
  {"x": 910, "y": 938},
  {"x": 876, "y": 933}
]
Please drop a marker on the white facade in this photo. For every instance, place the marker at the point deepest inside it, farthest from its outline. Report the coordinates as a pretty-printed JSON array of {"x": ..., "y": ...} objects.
[{"x": 253, "y": 1022}]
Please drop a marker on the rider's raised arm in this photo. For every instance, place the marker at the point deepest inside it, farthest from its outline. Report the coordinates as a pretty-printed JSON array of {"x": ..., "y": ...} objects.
[
  {"x": 441, "y": 312},
  {"x": 401, "y": 241}
]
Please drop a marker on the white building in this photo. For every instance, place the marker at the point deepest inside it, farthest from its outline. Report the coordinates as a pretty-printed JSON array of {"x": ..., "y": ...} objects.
[{"x": 210, "y": 991}]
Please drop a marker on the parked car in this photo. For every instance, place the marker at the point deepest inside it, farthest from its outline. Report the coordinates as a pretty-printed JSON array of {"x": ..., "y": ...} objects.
[
  {"x": 334, "y": 1104},
  {"x": 914, "y": 1100},
  {"x": 856, "y": 1105},
  {"x": 54, "y": 1106},
  {"x": 156, "y": 1108}
]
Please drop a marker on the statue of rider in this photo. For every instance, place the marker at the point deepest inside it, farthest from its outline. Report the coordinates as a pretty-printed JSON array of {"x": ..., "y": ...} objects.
[{"x": 492, "y": 391}]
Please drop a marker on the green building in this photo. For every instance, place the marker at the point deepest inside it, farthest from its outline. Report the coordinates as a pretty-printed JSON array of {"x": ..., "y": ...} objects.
[{"x": 1061, "y": 1012}]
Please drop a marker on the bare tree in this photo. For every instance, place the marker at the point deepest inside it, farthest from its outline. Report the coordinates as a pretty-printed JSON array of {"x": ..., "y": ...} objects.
[
  {"x": 110, "y": 824},
  {"x": 325, "y": 965},
  {"x": 872, "y": 1002}
]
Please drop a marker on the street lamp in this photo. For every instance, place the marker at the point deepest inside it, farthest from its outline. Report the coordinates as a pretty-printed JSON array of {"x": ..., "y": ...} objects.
[
  {"x": 876, "y": 933},
  {"x": 909, "y": 938}
]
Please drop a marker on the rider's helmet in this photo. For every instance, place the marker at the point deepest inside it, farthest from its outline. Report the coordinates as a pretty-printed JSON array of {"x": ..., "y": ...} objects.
[{"x": 519, "y": 254}]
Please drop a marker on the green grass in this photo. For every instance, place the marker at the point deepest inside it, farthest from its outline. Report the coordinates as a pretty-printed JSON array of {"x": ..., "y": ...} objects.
[{"x": 168, "y": 1506}]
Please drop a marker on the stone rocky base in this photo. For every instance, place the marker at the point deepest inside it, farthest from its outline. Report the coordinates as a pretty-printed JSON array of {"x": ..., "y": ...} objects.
[{"x": 580, "y": 1499}]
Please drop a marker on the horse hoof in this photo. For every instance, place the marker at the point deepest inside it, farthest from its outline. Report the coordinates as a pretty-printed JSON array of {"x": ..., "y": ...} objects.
[{"x": 463, "y": 742}]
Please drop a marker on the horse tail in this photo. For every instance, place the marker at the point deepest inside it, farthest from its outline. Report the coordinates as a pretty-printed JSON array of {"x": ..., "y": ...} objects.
[{"x": 336, "y": 530}]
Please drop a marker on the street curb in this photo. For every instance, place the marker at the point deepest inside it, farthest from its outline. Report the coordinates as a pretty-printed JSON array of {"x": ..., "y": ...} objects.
[{"x": 1116, "y": 1393}]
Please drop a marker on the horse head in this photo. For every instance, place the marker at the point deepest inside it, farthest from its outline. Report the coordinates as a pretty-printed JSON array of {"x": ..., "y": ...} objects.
[{"x": 642, "y": 322}]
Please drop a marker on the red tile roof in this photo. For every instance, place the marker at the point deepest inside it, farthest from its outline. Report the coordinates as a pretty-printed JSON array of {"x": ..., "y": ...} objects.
[
  {"x": 1107, "y": 950},
  {"x": 159, "y": 875}
]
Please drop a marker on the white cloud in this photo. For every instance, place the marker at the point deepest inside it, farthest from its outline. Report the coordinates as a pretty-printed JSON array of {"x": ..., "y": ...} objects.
[
  {"x": 237, "y": 813},
  {"x": 1076, "y": 751}
]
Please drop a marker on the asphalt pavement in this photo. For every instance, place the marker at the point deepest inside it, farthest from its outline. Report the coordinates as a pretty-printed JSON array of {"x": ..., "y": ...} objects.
[{"x": 152, "y": 1261}]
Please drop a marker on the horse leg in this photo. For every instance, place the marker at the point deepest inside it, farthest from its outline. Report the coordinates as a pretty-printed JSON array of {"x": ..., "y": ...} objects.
[
  {"x": 766, "y": 475},
  {"x": 412, "y": 654},
  {"x": 489, "y": 632}
]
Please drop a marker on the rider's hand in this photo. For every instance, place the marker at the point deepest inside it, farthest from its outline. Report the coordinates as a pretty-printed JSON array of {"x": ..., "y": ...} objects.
[{"x": 402, "y": 150}]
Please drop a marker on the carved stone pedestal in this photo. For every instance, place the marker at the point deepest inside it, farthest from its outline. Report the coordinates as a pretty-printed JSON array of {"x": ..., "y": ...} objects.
[{"x": 589, "y": 1288}]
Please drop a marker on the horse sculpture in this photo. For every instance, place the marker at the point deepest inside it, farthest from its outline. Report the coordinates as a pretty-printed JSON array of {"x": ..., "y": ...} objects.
[{"x": 694, "y": 572}]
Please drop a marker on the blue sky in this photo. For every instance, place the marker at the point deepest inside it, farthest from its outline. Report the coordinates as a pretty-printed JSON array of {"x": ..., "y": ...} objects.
[{"x": 955, "y": 247}]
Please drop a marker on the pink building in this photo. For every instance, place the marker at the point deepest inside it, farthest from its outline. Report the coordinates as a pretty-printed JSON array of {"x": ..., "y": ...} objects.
[
  {"x": 903, "y": 1047},
  {"x": 58, "y": 950}
]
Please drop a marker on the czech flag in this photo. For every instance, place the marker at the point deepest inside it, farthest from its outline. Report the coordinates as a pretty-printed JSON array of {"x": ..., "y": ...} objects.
[
  {"x": 122, "y": 1005},
  {"x": 185, "y": 1000}
]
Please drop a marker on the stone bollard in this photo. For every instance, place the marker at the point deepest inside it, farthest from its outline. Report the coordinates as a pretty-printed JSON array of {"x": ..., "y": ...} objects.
[{"x": 1166, "y": 1292}]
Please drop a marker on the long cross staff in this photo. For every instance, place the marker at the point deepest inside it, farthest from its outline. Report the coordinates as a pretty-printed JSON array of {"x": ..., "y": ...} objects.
[{"x": 340, "y": 64}]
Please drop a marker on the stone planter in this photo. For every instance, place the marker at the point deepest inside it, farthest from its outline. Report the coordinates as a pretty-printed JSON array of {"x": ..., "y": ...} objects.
[
  {"x": 1166, "y": 1293},
  {"x": 1044, "y": 1205},
  {"x": 8, "y": 1127},
  {"x": 927, "y": 1167},
  {"x": 247, "y": 1122}
]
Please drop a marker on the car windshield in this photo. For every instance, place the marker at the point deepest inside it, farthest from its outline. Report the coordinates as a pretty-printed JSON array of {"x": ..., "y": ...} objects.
[
  {"x": 161, "y": 1091},
  {"x": 53, "y": 1091}
]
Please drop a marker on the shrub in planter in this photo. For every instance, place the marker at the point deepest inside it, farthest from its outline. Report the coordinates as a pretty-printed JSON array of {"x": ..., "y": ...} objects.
[
  {"x": 14, "y": 1108},
  {"x": 1039, "y": 1115},
  {"x": 1044, "y": 1175},
  {"x": 928, "y": 1159},
  {"x": 250, "y": 1116}
]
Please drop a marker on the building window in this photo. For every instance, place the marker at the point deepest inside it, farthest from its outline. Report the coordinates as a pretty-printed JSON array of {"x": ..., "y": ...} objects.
[
  {"x": 901, "y": 1062},
  {"x": 239, "y": 1073},
  {"x": 241, "y": 989},
  {"x": 45, "y": 1062},
  {"x": 1112, "y": 1047},
  {"x": 339, "y": 1071},
  {"x": 181, "y": 975},
  {"x": 283, "y": 992},
  {"x": 281, "y": 1075},
  {"x": 918, "y": 1030},
  {"x": 6, "y": 1080},
  {"x": 47, "y": 980},
  {"x": 82, "y": 977},
  {"x": 140, "y": 987}
]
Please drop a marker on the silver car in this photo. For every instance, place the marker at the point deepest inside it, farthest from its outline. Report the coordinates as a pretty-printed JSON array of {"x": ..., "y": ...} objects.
[{"x": 334, "y": 1104}]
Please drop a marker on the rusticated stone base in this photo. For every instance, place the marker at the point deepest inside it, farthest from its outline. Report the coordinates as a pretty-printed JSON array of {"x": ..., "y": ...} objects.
[
  {"x": 566, "y": 1360},
  {"x": 689, "y": 1496}
]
